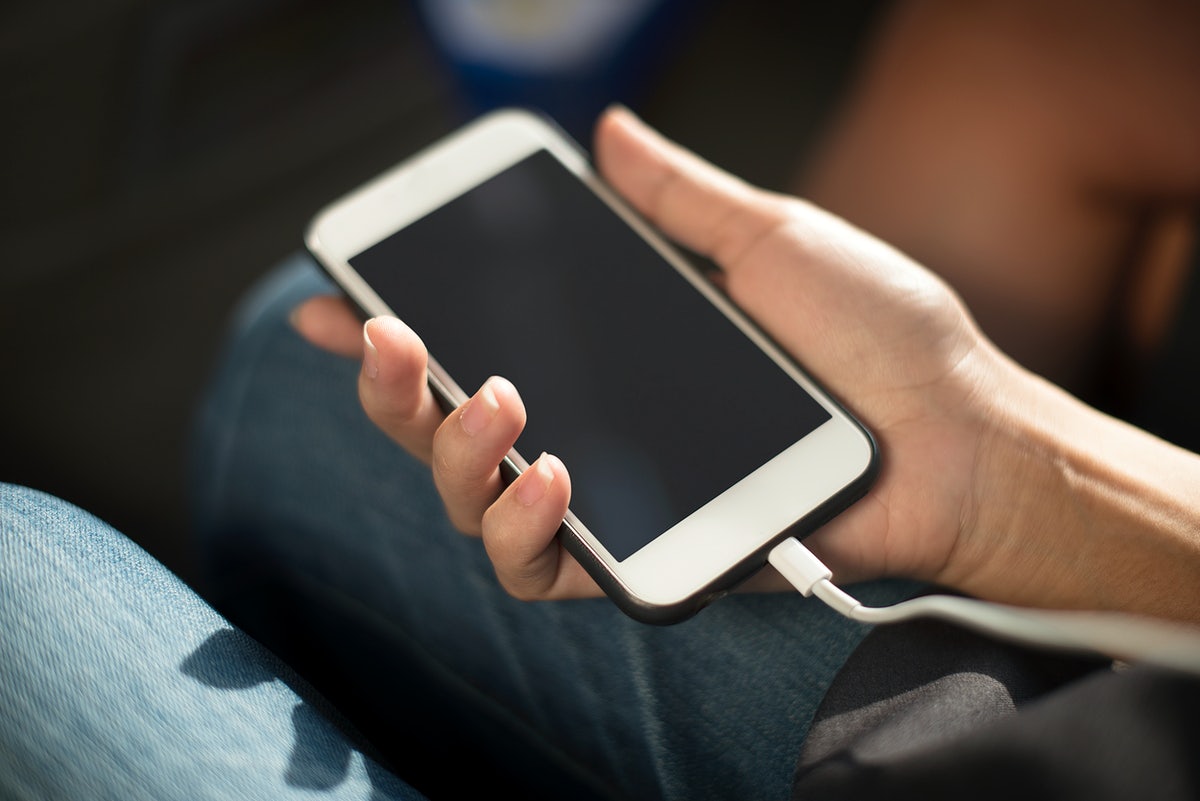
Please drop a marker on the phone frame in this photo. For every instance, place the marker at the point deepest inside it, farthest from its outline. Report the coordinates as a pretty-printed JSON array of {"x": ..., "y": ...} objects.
[{"x": 708, "y": 553}]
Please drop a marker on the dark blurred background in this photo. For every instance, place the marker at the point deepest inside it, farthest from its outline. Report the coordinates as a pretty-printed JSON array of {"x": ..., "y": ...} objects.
[{"x": 159, "y": 157}]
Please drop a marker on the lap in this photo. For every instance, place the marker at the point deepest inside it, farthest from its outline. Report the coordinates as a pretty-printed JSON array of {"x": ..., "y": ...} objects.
[{"x": 328, "y": 542}]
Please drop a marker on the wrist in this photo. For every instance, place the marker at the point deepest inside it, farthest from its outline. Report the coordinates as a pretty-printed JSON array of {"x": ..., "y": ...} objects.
[{"x": 1073, "y": 509}]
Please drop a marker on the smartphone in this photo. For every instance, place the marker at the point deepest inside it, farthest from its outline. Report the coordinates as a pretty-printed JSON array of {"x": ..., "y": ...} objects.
[{"x": 694, "y": 443}]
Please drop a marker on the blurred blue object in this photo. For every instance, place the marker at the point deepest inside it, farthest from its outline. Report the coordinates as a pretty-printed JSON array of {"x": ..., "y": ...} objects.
[{"x": 567, "y": 58}]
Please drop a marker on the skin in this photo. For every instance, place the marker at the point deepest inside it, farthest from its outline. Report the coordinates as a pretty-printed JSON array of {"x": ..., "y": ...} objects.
[{"x": 994, "y": 482}]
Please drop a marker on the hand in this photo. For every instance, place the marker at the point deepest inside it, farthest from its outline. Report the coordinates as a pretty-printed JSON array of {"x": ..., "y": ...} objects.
[
  {"x": 882, "y": 333},
  {"x": 464, "y": 449}
]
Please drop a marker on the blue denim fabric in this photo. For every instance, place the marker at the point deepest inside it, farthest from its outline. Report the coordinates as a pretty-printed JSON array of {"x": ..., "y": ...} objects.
[
  {"x": 328, "y": 543},
  {"x": 118, "y": 682}
]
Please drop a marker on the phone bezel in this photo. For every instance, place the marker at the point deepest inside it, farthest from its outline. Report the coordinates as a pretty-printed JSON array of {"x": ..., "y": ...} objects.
[{"x": 703, "y": 555}]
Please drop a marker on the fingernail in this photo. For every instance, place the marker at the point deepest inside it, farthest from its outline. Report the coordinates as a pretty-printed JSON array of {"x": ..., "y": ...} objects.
[
  {"x": 535, "y": 481},
  {"x": 370, "y": 354},
  {"x": 480, "y": 410}
]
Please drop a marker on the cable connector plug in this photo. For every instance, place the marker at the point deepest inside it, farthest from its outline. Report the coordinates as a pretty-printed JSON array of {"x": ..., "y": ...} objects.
[{"x": 798, "y": 565}]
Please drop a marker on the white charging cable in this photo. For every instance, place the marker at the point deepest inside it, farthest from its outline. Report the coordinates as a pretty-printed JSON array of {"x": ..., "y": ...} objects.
[{"x": 1122, "y": 637}]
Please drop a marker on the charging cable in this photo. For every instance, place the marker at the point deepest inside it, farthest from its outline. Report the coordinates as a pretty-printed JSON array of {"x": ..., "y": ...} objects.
[{"x": 1122, "y": 637}]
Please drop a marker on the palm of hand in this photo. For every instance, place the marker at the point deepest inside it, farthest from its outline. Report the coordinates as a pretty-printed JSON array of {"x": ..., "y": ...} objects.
[{"x": 898, "y": 348}]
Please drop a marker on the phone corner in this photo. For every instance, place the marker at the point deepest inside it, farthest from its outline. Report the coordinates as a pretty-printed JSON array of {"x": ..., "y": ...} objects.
[{"x": 633, "y": 606}]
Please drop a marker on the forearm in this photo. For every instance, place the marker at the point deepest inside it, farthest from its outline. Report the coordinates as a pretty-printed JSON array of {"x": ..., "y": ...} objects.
[{"x": 1074, "y": 509}]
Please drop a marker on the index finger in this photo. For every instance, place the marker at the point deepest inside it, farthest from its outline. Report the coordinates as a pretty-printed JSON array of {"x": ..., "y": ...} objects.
[{"x": 393, "y": 385}]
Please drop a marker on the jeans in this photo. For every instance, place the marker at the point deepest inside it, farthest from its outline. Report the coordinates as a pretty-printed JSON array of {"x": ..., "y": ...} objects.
[
  {"x": 118, "y": 682},
  {"x": 362, "y": 647}
]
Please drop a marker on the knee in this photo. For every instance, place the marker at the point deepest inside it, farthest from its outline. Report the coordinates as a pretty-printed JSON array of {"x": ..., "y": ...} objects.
[
  {"x": 47, "y": 546},
  {"x": 40, "y": 533},
  {"x": 271, "y": 300},
  {"x": 30, "y": 520}
]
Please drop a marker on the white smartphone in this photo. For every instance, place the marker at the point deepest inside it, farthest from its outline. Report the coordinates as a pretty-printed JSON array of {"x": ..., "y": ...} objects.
[{"x": 693, "y": 442}]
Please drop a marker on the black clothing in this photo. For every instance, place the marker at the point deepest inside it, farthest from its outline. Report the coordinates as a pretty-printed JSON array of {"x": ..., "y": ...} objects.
[{"x": 925, "y": 710}]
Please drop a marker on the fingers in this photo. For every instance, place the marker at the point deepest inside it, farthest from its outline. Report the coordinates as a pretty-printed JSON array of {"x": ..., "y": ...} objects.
[
  {"x": 393, "y": 388},
  {"x": 519, "y": 522},
  {"x": 468, "y": 448},
  {"x": 392, "y": 384},
  {"x": 693, "y": 202},
  {"x": 519, "y": 532},
  {"x": 329, "y": 323}
]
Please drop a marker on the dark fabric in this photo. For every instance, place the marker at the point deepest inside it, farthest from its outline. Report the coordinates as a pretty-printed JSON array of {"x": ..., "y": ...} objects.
[{"x": 925, "y": 710}]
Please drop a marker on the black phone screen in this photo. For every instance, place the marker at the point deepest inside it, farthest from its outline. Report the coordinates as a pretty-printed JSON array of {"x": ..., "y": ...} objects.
[{"x": 654, "y": 400}]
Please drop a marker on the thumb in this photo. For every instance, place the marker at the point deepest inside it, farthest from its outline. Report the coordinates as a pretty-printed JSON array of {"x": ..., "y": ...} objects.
[{"x": 698, "y": 205}]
